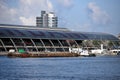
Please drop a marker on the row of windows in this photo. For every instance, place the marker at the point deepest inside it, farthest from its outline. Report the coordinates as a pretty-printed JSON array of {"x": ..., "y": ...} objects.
[{"x": 47, "y": 20}]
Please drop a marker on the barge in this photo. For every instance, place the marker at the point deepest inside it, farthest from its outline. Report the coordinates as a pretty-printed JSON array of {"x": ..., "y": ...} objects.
[{"x": 27, "y": 55}]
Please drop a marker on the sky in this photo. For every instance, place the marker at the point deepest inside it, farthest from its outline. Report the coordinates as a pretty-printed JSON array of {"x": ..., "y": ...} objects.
[{"x": 76, "y": 15}]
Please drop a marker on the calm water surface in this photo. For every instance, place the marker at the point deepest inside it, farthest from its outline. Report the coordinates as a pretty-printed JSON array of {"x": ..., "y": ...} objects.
[{"x": 66, "y": 68}]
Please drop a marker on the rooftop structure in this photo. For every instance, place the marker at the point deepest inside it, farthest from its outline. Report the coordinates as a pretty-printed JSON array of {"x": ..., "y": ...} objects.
[{"x": 46, "y": 20}]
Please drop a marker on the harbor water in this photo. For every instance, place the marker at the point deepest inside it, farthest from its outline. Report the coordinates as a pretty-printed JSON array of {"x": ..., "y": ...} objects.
[{"x": 60, "y": 68}]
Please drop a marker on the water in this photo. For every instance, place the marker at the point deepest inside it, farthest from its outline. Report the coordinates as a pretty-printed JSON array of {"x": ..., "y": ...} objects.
[{"x": 62, "y": 68}]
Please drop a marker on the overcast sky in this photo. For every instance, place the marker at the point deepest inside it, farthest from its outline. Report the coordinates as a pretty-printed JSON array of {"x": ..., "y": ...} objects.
[{"x": 76, "y": 15}]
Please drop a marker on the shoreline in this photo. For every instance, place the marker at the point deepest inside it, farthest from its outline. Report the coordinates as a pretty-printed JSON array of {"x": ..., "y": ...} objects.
[{"x": 49, "y": 54}]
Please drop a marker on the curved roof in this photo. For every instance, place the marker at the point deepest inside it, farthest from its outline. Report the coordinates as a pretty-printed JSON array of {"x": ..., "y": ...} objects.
[{"x": 18, "y": 32}]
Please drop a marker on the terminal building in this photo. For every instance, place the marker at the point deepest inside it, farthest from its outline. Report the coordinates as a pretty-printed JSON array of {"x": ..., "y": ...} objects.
[{"x": 36, "y": 39}]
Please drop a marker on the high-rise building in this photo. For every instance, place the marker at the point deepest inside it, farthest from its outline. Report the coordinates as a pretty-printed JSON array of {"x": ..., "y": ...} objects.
[{"x": 47, "y": 20}]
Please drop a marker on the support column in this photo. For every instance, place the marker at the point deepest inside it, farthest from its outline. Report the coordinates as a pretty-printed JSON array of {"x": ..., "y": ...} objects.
[
  {"x": 77, "y": 44},
  {"x": 61, "y": 45},
  {"x": 24, "y": 45},
  {"x": 3, "y": 45},
  {"x": 113, "y": 44},
  {"x": 69, "y": 44},
  {"x": 52, "y": 45},
  {"x": 43, "y": 44},
  {"x": 14, "y": 44},
  {"x": 86, "y": 45},
  {"x": 34, "y": 45}
]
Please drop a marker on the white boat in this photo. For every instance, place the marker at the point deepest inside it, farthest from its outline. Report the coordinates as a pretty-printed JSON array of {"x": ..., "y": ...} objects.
[
  {"x": 100, "y": 51},
  {"x": 80, "y": 51},
  {"x": 115, "y": 51}
]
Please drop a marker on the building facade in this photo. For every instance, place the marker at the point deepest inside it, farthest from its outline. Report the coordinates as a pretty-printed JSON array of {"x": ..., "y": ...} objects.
[
  {"x": 35, "y": 39},
  {"x": 47, "y": 20}
]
